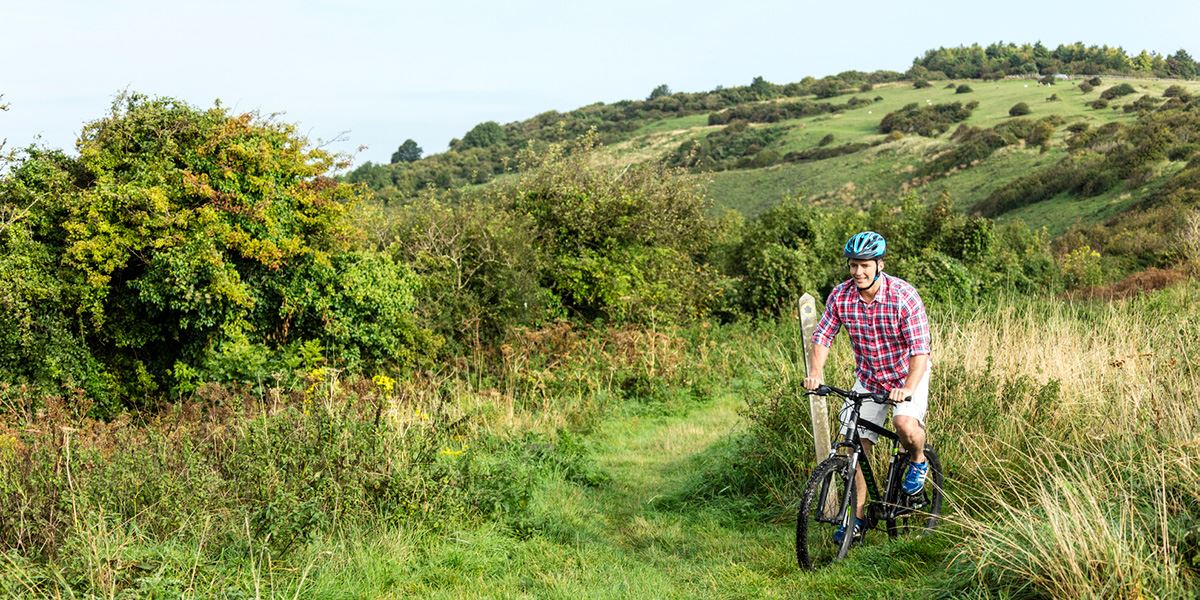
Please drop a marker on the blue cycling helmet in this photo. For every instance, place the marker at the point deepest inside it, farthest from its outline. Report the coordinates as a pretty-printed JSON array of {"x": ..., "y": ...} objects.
[{"x": 867, "y": 245}]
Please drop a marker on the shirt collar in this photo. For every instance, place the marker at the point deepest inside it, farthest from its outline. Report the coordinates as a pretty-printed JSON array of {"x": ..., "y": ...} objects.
[{"x": 884, "y": 286}]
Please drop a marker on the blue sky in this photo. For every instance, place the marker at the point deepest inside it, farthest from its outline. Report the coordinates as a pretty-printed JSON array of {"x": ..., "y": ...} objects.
[{"x": 386, "y": 71}]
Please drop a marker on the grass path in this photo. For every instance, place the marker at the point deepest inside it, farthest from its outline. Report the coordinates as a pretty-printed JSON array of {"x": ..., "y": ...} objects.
[{"x": 620, "y": 540}]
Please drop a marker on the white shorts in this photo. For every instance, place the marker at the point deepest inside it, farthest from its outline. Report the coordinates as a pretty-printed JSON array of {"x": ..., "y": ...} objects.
[{"x": 877, "y": 413}]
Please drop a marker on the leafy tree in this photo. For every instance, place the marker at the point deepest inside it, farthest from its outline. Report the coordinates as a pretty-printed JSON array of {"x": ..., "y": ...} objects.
[
  {"x": 1019, "y": 109},
  {"x": 408, "y": 152},
  {"x": 484, "y": 135},
  {"x": 659, "y": 92},
  {"x": 827, "y": 88}
]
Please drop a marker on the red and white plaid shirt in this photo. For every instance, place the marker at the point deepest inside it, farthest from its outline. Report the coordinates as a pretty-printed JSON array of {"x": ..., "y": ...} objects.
[{"x": 883, "y": 333}]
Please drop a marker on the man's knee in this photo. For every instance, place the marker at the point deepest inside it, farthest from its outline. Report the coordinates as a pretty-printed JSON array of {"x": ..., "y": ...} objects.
[{"x": 907, "y": 426}]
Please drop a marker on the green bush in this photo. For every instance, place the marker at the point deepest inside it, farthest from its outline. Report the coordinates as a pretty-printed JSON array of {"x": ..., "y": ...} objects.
[
  {"x": 963, "y": 89},
  {"x": 921, "y": 83},
  {"x": 928, "y": 121},
  {"x": 1117, "y": 91},
  {"x": 826, "y": 140},
  {"x": 1086, "y": 87},
  {"x": 1019, "y": 109},
  {"x": 181, "y": 240},
  {"x": 480, "y": 277},
  {"x": 722, "y": 149},
  {"x": 619, "y": 245}
]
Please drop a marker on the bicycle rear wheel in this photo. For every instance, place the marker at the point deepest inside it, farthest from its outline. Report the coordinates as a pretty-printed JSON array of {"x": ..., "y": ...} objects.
[
  {"x": 821, "y": 513},
  {"x": 928, "y": 504}
]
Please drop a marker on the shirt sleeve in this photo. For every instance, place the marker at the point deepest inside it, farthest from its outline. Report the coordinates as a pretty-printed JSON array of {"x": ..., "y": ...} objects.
[
  {"x": 916, "y": 325},
  {"x": 829, "y": 324}
]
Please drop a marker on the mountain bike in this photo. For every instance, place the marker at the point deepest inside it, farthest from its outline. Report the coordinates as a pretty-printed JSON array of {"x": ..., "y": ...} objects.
[{"x": 829, "y": 498}]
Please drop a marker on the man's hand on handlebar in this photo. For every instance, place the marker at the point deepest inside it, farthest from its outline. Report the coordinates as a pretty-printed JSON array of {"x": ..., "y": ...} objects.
[
  {"x": 900, "y": 394},
  {"x": 812, "y": 383}
]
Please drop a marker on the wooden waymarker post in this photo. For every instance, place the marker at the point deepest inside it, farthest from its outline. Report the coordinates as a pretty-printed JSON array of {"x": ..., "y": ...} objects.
[{"x": 816, "y": 404}]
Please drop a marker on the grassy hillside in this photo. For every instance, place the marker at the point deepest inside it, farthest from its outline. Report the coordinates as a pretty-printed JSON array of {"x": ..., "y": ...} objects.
[{"x": 882, "y": 172}]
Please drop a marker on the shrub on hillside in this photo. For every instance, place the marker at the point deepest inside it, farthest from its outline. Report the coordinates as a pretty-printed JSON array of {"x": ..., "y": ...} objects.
[
  {"x": 1095, "y": 81},
  {"x": 1145, "y": 103},
  {"x": 1086, "y": 87},
  {"x": 928, "y": 121},
  {"x": 921, "y": 83},
  {"x": 1019, "y": 109},
  {"x": 1117, "y": 91},
  {"x": 963, "y": 89},
  {"x": 1098, "y": 104},
  {"x": 723, "y": 148},
  {"x": 826, "y": 140},
  {"x": 1175, "y": 91}
]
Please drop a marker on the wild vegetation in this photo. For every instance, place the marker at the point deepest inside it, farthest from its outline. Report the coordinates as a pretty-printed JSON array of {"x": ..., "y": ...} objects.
[{"x": 226, "y": 371}]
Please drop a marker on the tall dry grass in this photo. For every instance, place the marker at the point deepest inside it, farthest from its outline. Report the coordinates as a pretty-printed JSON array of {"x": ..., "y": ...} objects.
[{"x": 1076, "y": 469}]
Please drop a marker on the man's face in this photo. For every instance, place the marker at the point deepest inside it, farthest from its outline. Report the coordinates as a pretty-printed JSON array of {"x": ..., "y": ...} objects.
[{"x": 863, "y": 272}]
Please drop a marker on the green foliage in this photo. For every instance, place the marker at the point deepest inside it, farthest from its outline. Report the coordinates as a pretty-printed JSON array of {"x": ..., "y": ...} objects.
[
  {"x": 723, "y": 148},
  {"x": 659, "y": 91},
  {"x": 1019, "y": 109},
  {"x": 921, "y": 83},
  {"x": 791, "y": 249},
  {"x": 1095, "y": 82},
  {"x": 479, "y": 274},
  {"x": 179, "y": 234},
  {"x": 408, "y": 152},
  {"x": 1086, "y": 87},
  {"x": 484, "y": 135},
  {"x": 624, "y": 246},
  {"x": 1082, "y": 268},
  {"x": 1176, "y": 91},
  {"x": 963, "y": 89},
  {"x": 1025, "y": 59},
  {"x": 826, "y": 140},
  {"x": 1101, "y": 159},
  {"x": 928, "y": 121},
  {"x": 772, "y": 112},
  {"x": 1116, "y": 91}
]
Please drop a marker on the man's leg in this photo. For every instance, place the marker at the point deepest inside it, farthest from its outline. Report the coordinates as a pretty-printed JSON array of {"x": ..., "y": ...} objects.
[
  {"x": 912, "y": 437},
  {"x": 860, "y": 483}
]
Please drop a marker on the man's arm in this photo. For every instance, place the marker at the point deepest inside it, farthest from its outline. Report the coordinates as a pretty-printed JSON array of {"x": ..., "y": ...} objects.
[
  {"x": 916, "y": 333},
  {"x": 822, "y": 340},
  {"x": 917, "y": 365},
  {"x": 816, "y": 367}
]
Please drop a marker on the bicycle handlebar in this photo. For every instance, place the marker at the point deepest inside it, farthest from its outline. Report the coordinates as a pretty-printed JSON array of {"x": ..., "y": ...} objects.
[{"x": 825, "y": 390}]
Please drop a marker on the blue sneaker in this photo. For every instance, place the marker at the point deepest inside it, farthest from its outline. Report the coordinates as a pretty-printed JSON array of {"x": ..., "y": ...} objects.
[
  {"x": 840, "y": 534},
  {"x": 914, "y": 479}
]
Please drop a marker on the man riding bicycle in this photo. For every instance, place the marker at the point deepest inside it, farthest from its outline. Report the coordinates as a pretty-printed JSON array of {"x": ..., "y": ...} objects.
[{"x": 889, "y": 333}]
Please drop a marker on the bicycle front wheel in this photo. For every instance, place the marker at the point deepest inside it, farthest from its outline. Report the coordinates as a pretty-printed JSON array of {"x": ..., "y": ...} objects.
[{"x": 823, "y": 508}]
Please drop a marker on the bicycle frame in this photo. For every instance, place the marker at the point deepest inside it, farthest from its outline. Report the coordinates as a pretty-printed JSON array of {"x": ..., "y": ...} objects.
[{"x": 877, "y": 507}]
